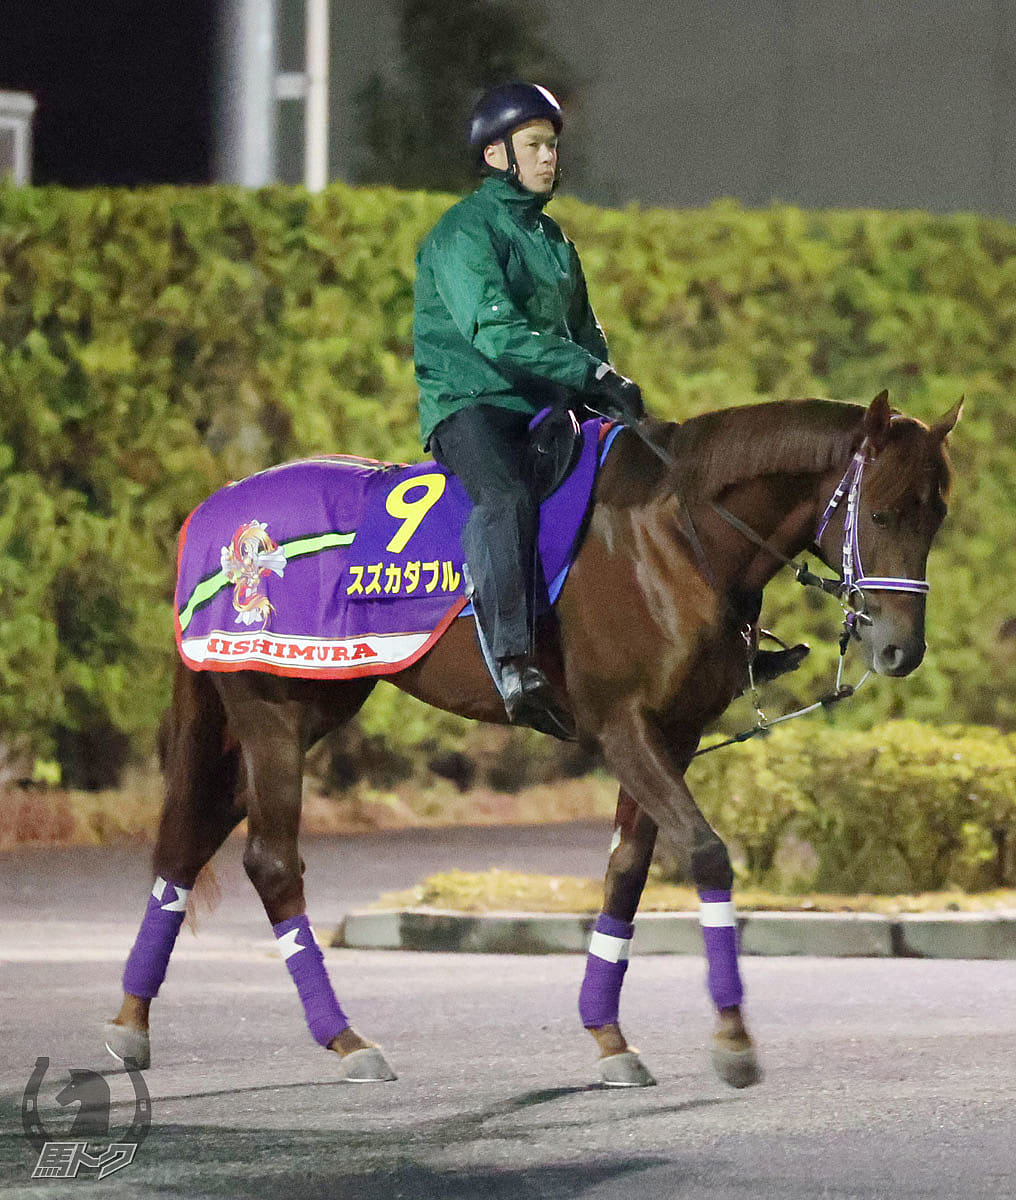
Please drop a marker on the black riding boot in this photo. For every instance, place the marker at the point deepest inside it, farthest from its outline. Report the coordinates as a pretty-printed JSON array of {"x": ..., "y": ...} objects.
[
  {"x": 770, "y": 664},
  {"x": 530, "y": 700}
]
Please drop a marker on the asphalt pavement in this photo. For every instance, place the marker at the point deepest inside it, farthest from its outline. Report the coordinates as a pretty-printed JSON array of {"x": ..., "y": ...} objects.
[{"x": 886, "y": 1079}]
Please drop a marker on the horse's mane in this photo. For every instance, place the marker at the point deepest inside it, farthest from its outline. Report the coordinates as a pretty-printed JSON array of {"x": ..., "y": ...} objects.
[{"x": 715, "y": 450}]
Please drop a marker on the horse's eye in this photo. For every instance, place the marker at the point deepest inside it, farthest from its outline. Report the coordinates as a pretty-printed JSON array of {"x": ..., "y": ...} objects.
[{"x": 882, "y": 519}]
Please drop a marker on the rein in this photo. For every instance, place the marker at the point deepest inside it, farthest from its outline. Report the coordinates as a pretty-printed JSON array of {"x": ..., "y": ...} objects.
[{"x": 848, "y": 589}]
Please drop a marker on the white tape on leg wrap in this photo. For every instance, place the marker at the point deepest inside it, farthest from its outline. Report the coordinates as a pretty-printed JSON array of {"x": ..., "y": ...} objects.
[
  {"x": 177, "y": 901},
  {"x": 717, "y": 914},
  {"x": 610, "y": 949}
]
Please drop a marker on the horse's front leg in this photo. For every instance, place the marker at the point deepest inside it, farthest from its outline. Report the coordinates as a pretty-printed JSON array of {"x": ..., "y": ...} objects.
[
  {"x": 650, "y": 771},
  {"x": 631, "y": 853}
]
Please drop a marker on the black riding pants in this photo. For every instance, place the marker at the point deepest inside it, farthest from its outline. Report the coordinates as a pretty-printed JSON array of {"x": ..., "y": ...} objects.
[{"x": 485, "y": 446}]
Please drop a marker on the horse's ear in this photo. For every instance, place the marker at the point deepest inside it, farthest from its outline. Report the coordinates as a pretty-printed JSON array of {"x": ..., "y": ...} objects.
[
  {"x": 876, "y": 421},
  {"x": 946, "y": 424}
]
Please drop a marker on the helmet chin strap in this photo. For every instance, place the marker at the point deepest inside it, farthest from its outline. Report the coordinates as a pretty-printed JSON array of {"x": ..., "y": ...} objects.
[{"x": 512, "y": 174}]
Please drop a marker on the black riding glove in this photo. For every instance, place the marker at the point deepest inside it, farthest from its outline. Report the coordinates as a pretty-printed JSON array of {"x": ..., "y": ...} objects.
[{"x": 618, "y": 397}]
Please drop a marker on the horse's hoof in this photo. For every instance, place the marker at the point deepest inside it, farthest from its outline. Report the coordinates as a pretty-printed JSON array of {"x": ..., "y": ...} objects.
[
  {"x": 123, "y": 1043},
  {"x": 366, "y": 1066},
  {"x": 737, "y": 1066},
  {"x": 625, "y": 1070}
]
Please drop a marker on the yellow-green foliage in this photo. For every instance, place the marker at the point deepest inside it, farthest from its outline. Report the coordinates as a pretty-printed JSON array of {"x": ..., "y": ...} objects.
[
  {"x": 497, "y": 890},
  {"x": 903, "y": 807},
  {"x": 154, "y": 344}
]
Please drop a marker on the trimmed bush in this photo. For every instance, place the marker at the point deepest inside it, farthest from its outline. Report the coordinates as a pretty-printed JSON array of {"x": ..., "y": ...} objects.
[
  {"x": 901, "y": 808},
  {"x": 156, "y": 343}
]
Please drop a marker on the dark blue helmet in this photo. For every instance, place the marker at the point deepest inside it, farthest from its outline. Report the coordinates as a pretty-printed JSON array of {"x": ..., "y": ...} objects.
[{"x": 505, "y": 108}]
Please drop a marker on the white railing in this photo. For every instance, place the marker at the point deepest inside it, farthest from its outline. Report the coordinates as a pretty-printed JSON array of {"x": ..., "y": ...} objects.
[{"x": 16, "y": 112}]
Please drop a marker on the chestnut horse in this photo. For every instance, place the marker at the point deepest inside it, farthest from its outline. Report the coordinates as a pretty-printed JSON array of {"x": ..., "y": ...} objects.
[{"x": 647, "y": 647}]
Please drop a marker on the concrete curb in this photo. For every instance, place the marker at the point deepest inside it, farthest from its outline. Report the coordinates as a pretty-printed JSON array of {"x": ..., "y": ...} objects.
[{"x": 828, "y": 935}]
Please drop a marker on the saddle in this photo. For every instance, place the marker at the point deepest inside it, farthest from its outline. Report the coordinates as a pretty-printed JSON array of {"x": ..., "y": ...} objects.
[{"x": 553, "y": 449}]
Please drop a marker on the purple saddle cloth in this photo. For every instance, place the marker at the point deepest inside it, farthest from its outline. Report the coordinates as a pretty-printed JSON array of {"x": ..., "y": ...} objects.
[{"x": 336, "y": 567}]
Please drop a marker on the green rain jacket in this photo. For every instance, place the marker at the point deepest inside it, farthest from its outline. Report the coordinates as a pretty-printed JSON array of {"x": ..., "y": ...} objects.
[{"x": 501, "y": 314}]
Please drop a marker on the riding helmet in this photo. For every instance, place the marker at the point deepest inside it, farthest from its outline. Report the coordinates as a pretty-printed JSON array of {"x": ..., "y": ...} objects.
[{"x": 504, "y": 108}]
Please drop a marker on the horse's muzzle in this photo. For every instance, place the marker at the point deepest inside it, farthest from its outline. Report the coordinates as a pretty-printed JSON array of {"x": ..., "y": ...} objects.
[{"x": 893, "y": 637}]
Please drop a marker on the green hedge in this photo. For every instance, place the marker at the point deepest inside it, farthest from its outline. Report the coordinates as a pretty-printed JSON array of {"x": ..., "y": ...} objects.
[
  {"x": 901, "y": 808},
  {"x": 156, "y": 343}
]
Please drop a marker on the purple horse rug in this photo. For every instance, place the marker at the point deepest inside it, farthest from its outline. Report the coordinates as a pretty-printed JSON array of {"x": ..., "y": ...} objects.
[{"x": 337, "y": 567}]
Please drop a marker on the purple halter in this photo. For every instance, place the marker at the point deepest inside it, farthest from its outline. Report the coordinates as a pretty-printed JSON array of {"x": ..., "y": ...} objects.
[{"x": 854, "y": 578}]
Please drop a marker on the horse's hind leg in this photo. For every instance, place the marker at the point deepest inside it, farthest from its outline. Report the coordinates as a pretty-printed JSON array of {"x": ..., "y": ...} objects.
[
  {"x": 200, "y": 810},
  {"x": 275, "y": 720},
  {"x": 610, "y": 943}
]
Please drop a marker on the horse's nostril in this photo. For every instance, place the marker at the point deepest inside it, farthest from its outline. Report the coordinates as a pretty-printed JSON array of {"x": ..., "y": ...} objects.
[
  {"x": 889, "y": 660},
  {"x": 897, "y": 660}
]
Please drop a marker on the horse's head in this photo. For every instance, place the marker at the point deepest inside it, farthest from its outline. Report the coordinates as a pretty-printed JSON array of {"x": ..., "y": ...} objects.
[{"x": 898, "y": 506}]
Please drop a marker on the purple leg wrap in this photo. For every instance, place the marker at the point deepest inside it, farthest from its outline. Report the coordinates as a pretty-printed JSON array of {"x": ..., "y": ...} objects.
[
  {"x": 306, "y": 963},
  {"x": 149, "y": 958},
  {"x": 719, "y": 931},
  {"x": 606, "y": 964}
]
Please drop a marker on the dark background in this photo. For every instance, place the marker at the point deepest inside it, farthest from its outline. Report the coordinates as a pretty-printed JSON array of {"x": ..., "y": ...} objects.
[
  {"x": 671, "y": 103},
  {"x": 124, "y": 87}
]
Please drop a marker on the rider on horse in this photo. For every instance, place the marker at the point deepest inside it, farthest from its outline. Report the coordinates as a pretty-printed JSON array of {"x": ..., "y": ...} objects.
[{"x": 503, "y": 328}]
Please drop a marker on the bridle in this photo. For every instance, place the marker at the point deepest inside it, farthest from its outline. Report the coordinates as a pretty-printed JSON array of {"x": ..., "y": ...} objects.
[
  {"x": 854, "y": 581},
  {"x": 848, "y": 589}
]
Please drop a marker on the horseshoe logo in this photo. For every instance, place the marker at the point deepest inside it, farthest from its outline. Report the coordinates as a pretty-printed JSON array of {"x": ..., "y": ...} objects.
[{"x": 36, "y": 1133}]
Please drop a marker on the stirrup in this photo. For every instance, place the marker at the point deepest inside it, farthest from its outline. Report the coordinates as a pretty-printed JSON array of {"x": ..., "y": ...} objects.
[{"x": 545, "y": 715}]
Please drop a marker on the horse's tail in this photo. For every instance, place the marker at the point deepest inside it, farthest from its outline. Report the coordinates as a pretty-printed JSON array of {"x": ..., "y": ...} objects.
[
  {"x": 200, "y": 765},
  {"x": 205, "y": 896}
]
